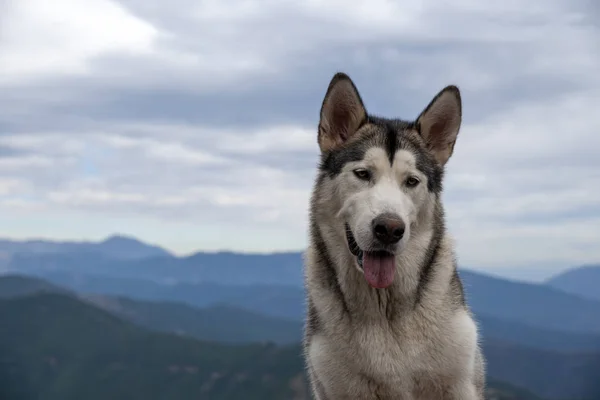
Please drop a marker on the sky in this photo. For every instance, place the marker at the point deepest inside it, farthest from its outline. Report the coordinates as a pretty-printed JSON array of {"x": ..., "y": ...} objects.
[{"x": 192, "y": 124}]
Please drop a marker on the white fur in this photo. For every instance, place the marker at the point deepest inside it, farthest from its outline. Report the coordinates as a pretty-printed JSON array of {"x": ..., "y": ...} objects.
[{"x": 395, "y": 359}]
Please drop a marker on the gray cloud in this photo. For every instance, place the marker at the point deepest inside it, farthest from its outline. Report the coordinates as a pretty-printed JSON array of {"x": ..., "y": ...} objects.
[{"x": 204, "y": 113}]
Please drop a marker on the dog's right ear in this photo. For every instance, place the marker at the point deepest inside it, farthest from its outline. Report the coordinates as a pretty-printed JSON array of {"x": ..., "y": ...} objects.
[{"x": 342, "y": 113}]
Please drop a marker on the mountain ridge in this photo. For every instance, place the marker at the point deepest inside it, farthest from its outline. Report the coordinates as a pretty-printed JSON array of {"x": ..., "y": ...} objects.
[
  {"x": 116, "y": 245},
  {"x": 535, "y": 304},
  {"x": 64, "y": 348},
  {"x": 583, "y": 281},
  {"x": 182, "y": 318}
]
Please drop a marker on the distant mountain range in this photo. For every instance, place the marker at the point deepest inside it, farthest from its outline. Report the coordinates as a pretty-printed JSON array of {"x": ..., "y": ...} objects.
[
  {"x": 218, "y": 320},
  {"x": 124, "y": 256},
  {"x": 53, "y": 346},
  {"x": 117, "y": 246},
  {"x": 583, "y": 281},
  {"x": 551, "y": 331},
  {"x": 531, "y": 304},
  {"x": 19, "y": 285},
  {"x": 222, "y": 267},
  {"x": 273, "y": 300},
  {"x": 272, "y": 283},
  {"x": 553, "y": 364},
  {"x": 537, "y": 338}
]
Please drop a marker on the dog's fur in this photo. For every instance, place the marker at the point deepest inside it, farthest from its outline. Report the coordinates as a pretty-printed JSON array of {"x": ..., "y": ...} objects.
[{"x": 416, "y": 339}]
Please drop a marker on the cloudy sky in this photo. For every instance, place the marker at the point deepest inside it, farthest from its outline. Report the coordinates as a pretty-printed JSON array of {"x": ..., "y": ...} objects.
[{"x": 192, "y": 124}]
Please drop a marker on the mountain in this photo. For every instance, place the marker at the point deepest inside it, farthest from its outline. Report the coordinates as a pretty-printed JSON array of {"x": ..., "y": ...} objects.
[
  {"x": 221, "y": 322},
  {"x": 17, "y": 285},
  {"x": 54, "y": 346},
  {"x": 525, "y": 303},
  {"x": 207, "y": 278},
  {"x": 537, "y": 338},
  {"x": 531, "y": 304},
  {"x": 216, "y": 321},
  {"x": 116, "y": 246},
  {"x": 529, "y": 273},
  {"x": 552, "y": 375},
  {"x": 221, "y": 267},
  {"x": 583, "y": 281},
  {"x": 272, "y": 284},
  {"x": 272, "y": 300},
  {"x": 125, "y": 247}
]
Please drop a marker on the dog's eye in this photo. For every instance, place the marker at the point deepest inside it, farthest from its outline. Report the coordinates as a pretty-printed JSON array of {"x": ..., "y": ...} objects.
[
  {"x": 362, "y": 174},
  {"x": 412, "y": 181}
]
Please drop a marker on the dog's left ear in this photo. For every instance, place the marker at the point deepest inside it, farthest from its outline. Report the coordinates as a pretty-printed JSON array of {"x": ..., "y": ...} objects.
[{"x": 440, "y": 122}]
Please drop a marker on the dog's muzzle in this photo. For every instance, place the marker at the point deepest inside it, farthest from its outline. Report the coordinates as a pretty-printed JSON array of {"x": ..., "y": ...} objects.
[{"x": 377, "y": 265}]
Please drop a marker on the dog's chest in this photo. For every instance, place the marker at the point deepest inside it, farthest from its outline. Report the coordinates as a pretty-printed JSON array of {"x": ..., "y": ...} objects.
[
  {"x": 386, "y": 354},
  {"x": 369, "y": 364},
  {"x": 390, "y": 362}
]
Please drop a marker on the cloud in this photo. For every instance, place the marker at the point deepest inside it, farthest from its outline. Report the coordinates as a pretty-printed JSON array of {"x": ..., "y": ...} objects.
[
  {"x": 187, "y": 121},
  {"x": 40, "y": 38}
]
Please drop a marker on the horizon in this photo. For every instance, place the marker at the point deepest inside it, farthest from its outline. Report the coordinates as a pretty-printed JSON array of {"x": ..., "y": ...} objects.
[
  {"x": 152, "y": 129},
  {"x": 526, "y": 274}
]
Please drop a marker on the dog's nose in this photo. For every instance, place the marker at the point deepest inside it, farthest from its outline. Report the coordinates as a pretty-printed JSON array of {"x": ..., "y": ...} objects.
[{"x": 388, "y": 228}]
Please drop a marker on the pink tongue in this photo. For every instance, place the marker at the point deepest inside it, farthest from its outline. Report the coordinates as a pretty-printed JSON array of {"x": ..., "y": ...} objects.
[{"x": 379, "y": 268}]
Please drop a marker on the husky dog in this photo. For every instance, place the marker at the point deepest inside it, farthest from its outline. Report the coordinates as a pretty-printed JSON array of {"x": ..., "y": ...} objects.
[{"x": 386, "y": 313}]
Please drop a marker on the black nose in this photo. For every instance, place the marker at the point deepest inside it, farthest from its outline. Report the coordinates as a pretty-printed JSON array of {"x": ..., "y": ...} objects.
[{"x": 388, "y": 228}]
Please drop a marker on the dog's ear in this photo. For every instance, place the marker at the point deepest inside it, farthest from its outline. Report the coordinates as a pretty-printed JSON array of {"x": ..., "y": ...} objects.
[
  {"x": 440, "y": 122},
  {"x": 342, "y": 113}
]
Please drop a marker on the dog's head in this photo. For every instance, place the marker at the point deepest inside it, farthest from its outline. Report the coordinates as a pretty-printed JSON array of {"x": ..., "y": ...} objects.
[{"x": 385, "y": 175}]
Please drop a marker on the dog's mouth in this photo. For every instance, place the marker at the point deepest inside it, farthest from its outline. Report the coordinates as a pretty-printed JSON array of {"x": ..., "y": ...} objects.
[{"x": 378, "y": 266}]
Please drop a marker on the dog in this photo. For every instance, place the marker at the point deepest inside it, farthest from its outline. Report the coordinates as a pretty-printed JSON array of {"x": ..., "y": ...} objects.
[{"x": 386, "y": 313}]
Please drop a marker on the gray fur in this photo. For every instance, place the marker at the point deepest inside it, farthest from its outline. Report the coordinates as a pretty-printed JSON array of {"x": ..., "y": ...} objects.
[{"x": 416, "y": 339}]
